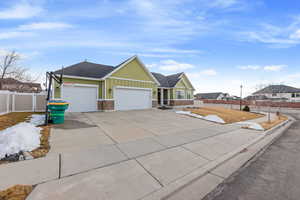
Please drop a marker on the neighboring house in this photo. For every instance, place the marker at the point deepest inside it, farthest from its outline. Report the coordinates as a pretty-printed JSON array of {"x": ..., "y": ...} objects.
[
  {"x": 213, "y": 96},
  {"x": 278, "y": 93},
  {"x": 14, "y": 85},
  {"x": 90, "y": 87}
]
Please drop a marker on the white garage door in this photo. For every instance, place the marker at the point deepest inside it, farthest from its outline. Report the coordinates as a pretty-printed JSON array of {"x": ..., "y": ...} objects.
[
  {"x": 132, "y": 99},
  {"x": 81, "y": 98}
]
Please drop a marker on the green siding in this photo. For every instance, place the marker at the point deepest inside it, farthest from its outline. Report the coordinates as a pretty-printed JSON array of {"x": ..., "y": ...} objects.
[
  {"x": 111, "y": 83},
  {"x": 57, "y": 90},
  {"x": 133, "y": 70}
]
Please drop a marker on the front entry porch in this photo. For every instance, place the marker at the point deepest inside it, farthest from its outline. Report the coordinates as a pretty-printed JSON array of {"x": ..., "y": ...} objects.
[{"x": 163, "y": 96}]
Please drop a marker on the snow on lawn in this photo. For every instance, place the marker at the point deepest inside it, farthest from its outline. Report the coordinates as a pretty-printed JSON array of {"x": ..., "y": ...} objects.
[
  {"x": 37, "y": 120},
  {"x": 21, "y": 137},
  {"x": 251, "y": 125},
  {"x": 212, "y": 118}
]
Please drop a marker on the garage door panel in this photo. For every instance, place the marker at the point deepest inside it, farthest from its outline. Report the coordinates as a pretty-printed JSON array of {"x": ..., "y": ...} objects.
[
  {"x": 132, "y": 99},
  {"x": 81, "y": 99}
]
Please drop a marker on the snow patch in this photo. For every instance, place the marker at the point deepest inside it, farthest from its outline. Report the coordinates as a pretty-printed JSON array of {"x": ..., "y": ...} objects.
[
  {"x": 37, "y": 120},
  {"x": 251, "y": 125},
  {"x": 214, "y": 118},
  {"x": 183, "y": 112},
  {"x": 21, "y": 137}
]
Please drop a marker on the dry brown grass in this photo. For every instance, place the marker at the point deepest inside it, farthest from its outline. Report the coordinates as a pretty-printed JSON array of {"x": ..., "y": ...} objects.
[
  {"x": 13, "y": 118},
  {"x": 268, "y": 125},
  {"x": 44, "y": 146},
  {"x": 228, "y": 115},
  {"x": 17, "y": 192}
]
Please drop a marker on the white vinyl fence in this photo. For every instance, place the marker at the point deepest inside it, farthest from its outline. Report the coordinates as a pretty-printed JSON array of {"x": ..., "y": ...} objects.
[{"x": 22, "y": 102}]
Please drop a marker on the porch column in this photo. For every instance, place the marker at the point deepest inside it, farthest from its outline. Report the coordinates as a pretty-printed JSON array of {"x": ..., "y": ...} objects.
[{"x": 161, "y": 96}]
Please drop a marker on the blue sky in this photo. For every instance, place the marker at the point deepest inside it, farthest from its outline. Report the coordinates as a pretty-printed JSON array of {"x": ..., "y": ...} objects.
[{"x": 220, "y": 44}]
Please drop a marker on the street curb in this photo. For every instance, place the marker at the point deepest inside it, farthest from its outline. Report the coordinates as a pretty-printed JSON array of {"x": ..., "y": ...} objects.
[{"x": 178, "y": 185}]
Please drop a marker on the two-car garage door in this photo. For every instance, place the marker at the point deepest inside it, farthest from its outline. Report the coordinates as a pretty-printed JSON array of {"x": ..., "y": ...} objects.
[{"x": 132, "y": 98}]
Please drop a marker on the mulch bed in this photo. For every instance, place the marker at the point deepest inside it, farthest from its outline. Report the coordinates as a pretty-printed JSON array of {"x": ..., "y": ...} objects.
[{"x": 17, "y": 192}]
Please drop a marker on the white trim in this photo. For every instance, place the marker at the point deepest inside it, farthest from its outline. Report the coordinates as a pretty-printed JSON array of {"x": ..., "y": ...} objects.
[
  {"x": 128, "y": 79},
  {"x": 82, "y": 77},
  {"x": 134, "y": 88},
  {"x": 187, "y": 79},
  {"x": 128, "y": 61},
  {"x": 80, "y": 85},
  {"x": 5, "y": 92},
  {"x": 104, "y": 89}
]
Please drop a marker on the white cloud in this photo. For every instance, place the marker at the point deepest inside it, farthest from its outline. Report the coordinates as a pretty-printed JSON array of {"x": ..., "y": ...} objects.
[
  {"x": 22, "y": 10},
  {"x": 172, "y": 65},
  {"x": 274, "y": 67},
  {"x": 275, "y": 36},
  {"x": 208, "y": 72},
  {"x": 15, "y": 34},
  {"x": 176, "y": 51},
  {"x": 45, "y": 26},
  {"x": 224, "y": 3},
  {"x": 265, "y": 68},
  {"x": 250, "y": 67}
]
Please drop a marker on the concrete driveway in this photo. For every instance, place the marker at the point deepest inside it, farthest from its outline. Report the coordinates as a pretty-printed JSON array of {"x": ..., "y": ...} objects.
[
  {"x": 124, "y": 155},
  {"x": 86, "y": 130}
]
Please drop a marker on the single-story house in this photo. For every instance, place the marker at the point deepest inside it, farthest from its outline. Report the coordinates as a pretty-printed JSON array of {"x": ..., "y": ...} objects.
[
  {"x": 130, "y": 85},
  {"x": 14, "y": 85},
  {"x": 213, "y": 96},
  {"x": 278, "y": 93}
]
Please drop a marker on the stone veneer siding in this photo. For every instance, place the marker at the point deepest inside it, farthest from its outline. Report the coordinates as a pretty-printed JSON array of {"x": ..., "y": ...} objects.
[
  {"x": 106, "y": 105},
  {"x": 181, "y": 102}
]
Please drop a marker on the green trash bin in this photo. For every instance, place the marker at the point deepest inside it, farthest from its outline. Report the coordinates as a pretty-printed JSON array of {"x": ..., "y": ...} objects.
[{"x": 57, "y": 111}]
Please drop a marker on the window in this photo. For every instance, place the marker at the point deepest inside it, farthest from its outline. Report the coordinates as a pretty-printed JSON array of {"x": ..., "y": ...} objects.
[
  {"x": 298, "y": 95},
  {"x": 180, "y": 94},
  {"x": 293, "y": 95},
  {"x": 274, "y": 95},
  {"x": 188, "y": 95}
]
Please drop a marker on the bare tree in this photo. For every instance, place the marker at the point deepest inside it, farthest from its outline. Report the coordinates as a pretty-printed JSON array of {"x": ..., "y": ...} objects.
[{"x": 9, "y": 68}]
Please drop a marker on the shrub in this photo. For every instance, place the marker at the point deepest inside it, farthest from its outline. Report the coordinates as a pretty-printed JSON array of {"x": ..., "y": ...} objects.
[{"x": 246, "y": 109}]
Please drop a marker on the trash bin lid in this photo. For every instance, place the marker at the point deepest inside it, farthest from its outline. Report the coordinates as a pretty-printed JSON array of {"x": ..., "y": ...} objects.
[{"x": 57, "y": 102}]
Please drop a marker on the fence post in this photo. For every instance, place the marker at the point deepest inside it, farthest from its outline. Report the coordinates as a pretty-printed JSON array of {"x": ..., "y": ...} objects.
[
  {"x": 13, "y": 102},
  {"x": 33, "y": 102},
  {"x": 7, "y": 102}
]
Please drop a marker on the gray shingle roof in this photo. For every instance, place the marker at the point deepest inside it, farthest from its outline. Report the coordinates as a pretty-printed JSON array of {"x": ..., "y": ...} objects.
[
  {"x": 213, "y": 95},
  {"x": 167, "y": 81},
  {"x": 278, "y": 89},
  {"x": 87, "y": 69}
]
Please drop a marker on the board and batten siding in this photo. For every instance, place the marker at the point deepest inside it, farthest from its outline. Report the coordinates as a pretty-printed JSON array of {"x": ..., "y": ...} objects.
[
  {"x": 112, "y": 82},
  {"x": 57, "y": 90},
  {"x": 183, "y": 84}
]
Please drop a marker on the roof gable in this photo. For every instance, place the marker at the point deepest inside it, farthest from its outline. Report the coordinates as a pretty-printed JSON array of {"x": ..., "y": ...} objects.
[{"x": 185, "y": 81}]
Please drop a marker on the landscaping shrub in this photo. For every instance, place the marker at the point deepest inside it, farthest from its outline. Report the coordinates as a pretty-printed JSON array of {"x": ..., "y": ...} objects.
[{"x": 246, "y": 109}]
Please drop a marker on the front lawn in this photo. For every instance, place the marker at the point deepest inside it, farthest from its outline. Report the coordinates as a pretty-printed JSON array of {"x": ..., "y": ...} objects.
[{"x": 228, "y": 115}]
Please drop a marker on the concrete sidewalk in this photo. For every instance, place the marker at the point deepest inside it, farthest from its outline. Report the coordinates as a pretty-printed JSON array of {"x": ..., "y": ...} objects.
[{"x": 137, "y": 169}]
